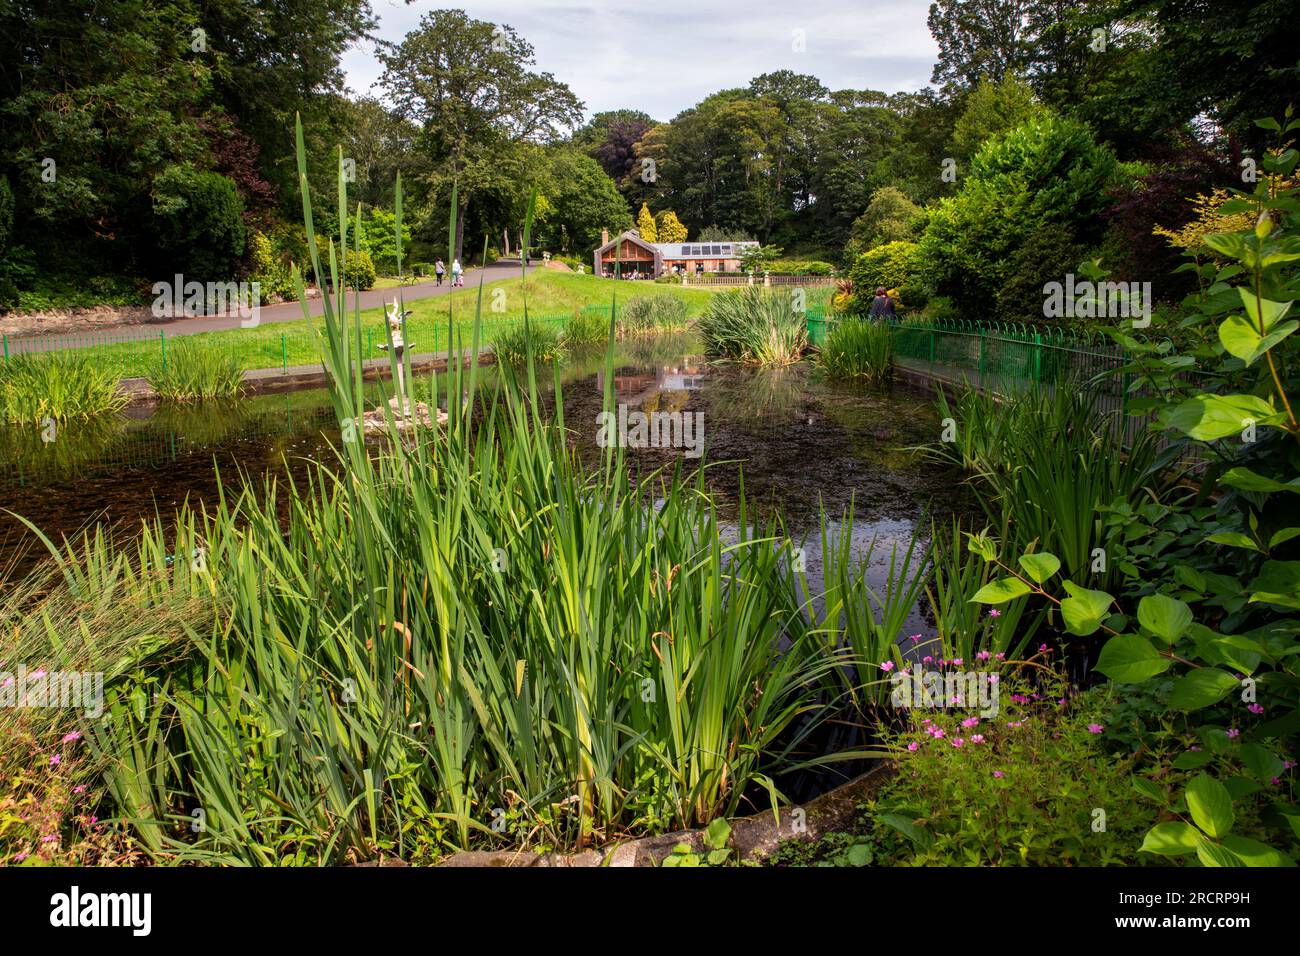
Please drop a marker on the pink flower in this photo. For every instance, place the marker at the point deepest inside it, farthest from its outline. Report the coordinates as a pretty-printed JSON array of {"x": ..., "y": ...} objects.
[
  {"x": 924, "y": 721},
  {"x": 970, "y": 722},
  {"x": 886, "y": 666},
  {"x": 1255, "y": 708},
  {"x": 938, "y": 733},
  {"x": 69, "y": 738},
  {"x": 977, "y": 739},
  {"x": 958, "y": 661},
  {"x": 1288, "y": 764},
  {"x": 1000, "y": 656},
  {"x": 927, "y": 659},
  {"x": 999, "y": 774},
  {"x": 994, "y": 612},
  {"x": 915, "y": 638},
  {"x": 1013, "y": 723},
  {"x": 957, "y": 742},
  {"x": 993, "y": 678},
  {"x": 38, "y": 673},
  {"x": 1095, "y": 728},
  {"x": 983, "y": 656},
  {"x": 913, "y": 746},
  {"x": 1042, "y": 649},
  {"x": 21, "y": 856},
  {"x": 79, "y": 789},
  {"x": 55, "y": 760},
  {"x": 48, "y": 838},
  {"x": 1233, "y": 732},
  {"x": 1276, "y": 781}
]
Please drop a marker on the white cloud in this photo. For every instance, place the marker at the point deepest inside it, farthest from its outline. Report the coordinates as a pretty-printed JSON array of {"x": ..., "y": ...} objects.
[{"x": 664, "y": 56}]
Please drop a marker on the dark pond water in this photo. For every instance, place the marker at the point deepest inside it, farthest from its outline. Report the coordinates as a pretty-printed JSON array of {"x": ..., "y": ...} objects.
[{"x": 803, "y": 444}]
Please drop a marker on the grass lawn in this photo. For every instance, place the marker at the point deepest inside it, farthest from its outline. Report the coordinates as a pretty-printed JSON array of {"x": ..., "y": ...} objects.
[{"x": 549, "y": 294}]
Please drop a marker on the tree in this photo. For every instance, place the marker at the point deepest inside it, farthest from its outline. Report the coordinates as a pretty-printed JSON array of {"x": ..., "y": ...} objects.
[
  {"x": 583, "y": 200},
  {"x": 890, "y": 217},
  {"x": 645, "y": 224},
  {"x": 980, "y": 38},
  {"x": 467, "y": 84},
  {"x": 611, "y": 137},
  {"x": 1027, "y": 213},
  {"x": 992, "y": 108},
  {"x": 670, "y": 228}
]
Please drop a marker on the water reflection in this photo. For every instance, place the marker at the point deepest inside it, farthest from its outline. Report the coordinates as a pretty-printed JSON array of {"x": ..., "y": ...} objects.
[{"x": 804, "y": 445}]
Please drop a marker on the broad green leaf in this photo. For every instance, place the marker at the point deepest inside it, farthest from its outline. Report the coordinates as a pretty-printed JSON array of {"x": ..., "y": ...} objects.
[
  {"x": 1211, "y": 417},
  {"x": 1192, "y": 760},
  {"x": 1001, "y": 591},
  {"x": 1233, "y": 539},
  {"x": 1170, "y": 839},
  {"x": 1040, "y": 566},
  {"x": 717, "y": 833},
  {"x": 1247, "y": 480},
  {"x": 1212, "y": 854},
  {"x": 1150, "y": 789},
  {"x": 1210, "y": 806},
  {"x": 1280, "y": 537},
  {"x": 1130, "y": 659},
  {"x": 1085, "y": 609},
  {"x": 1201, "y": 688},
  {"x": 1262, "y": 310},
  {"x": 1261, "y": 761},
  {"x": 1253, "y": 853},
  {"x": 918, "y": 834},
  {"x": 1165, "y": 617},
  {"x": 860, "y": 855}
]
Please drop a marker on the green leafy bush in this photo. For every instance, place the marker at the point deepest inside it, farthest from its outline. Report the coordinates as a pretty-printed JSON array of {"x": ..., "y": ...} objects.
[
  {"x": 755, "y": 327},
  {"x": 1032, "y": 199},
  {"x": 193, "y": 371},
  {"x": 896, "y": 266},
  {"x": 858, "y": 349},
  {"x": 652, "y": 315},
  {"x": 198, "y": 218},
  {"x": 513, "y": 344},
  {"x": 56, "y": 386},
  {"x": 1032, "y": 786}
]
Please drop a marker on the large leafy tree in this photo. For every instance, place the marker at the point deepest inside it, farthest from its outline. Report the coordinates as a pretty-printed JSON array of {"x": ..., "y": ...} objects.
[
  {"x": 468, "y": 85},
  {"x": 1028, "y": 212}
]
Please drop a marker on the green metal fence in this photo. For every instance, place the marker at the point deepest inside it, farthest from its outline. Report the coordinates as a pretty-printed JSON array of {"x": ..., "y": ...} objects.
[
  {"x": 135, "y": 352},
  {"x": 1008, "y": 358}
]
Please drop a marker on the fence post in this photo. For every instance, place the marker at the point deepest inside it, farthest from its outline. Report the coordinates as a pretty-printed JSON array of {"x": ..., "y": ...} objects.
[
  {"x": 983, "y": 339},
  {"x": 932, "y": 345},
  {"x": 284, "y": 354},
  {"x": 6, "y": 338},
  {"x": 1038, "y": 357},
  {"x": 162, "y": 340}
]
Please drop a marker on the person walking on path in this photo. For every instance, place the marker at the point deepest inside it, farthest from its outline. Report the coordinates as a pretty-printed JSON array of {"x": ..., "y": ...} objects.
[
  {"x": 457, "y": 273},
  {"x": 882, "y": 306},
  {"x": 439, "y": 270}
]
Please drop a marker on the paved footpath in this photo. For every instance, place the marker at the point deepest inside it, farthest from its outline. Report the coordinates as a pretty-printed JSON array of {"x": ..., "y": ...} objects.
[{"x": 290, "y": 311}]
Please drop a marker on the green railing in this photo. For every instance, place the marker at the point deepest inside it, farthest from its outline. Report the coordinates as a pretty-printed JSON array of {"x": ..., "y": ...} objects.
[{"x": 133, "y": 353}]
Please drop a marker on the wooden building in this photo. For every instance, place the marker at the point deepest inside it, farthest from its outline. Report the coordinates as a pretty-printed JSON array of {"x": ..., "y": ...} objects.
[{"x": 629, "y": 254}]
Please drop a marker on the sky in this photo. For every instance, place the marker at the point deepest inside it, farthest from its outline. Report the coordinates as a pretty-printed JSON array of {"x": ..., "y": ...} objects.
[{"x": 664, "y": 56}]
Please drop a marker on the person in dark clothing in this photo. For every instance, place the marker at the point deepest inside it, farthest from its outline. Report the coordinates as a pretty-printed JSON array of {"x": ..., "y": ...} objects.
[{"x": 882, "y": 306}]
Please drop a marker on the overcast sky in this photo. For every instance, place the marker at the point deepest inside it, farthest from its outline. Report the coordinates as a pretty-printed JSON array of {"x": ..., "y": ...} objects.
[{"x": 663, "y": 56}]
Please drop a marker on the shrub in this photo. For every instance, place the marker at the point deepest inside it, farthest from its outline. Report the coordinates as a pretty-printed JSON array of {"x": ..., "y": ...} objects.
[
  {"x": 896, "y": 266},
  {"x": 858, "y": 349},
  {"x": 652, "y": 314},
  {"x": 199, "y": 220},
  {"x": 1041, "y": 185},
  {"x": 800, "y": 267},
  {"x": 359, "y": 272},
  {"x": 890, "y": 217},
  {"x": 194, "y": 371},
  {"x": 586, "y": 329},
  {"x": 512, "y": 344},
  {"x": 269, "y": 269},
  {"x": 56, "y": 386},
  {"x": 754, "y": 327},
  {"x": 1019, "y": 788}
]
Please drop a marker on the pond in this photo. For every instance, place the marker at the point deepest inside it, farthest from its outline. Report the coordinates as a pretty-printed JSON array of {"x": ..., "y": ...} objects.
[{"x": 802, "y": 444}]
